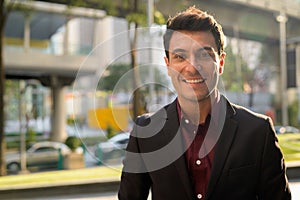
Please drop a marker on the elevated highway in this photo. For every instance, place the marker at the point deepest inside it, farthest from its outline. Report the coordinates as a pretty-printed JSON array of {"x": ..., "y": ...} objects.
[
  {"x": 30, "y": 27},
  {"x": 245, "y": 19}
]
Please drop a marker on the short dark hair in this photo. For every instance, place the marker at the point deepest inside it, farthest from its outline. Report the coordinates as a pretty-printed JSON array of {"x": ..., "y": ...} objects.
[{"x": 194, "y": 19}]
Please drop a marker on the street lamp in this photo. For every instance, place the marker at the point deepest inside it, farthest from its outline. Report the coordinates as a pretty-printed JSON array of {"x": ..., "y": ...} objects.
[
  {"x": 282, "y": 19},
  {"x": 151, "y": 69}
]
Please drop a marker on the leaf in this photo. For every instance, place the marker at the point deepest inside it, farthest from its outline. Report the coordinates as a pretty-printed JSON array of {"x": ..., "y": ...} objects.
[{"x": 138, "y": 18}]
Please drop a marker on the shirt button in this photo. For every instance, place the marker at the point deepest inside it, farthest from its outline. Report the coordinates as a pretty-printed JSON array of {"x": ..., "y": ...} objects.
[
  {"x": 194, "y": 132},
  {"x": 186, "y": 121},
  {"x": 198, "y": 162},
  {"x": 199, "y": 196}
]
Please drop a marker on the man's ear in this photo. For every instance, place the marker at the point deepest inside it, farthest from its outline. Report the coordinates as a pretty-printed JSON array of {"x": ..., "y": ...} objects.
[
  {"x": 167, "y": 64},
  {"x": 222, "y": 63},
  {"x": 166, "y": 61}
]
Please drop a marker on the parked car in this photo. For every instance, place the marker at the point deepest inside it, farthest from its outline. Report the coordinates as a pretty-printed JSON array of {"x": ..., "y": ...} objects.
[
  {"x": 112, "y": 148},
  {"x": 40, "y": 154},
  {"x": 286, "y": 129}
]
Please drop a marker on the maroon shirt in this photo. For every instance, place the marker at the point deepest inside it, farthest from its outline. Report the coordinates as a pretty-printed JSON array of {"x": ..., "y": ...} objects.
[{"x": 199, "y": 168}]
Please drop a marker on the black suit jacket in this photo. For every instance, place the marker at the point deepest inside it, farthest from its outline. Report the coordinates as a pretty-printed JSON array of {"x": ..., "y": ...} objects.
[{"x": 247, "y": 164}]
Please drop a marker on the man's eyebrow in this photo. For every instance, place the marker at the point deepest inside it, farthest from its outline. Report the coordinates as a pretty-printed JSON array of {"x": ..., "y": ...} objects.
[
  {"x": 206, "y": 48},
  {"x": 175, "y": 51}
]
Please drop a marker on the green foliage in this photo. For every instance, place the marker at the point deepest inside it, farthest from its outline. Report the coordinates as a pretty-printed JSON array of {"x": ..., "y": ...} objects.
[
  {"x": 116, "y": 71},
  {"x": 31, "y": 136},
  {"x": 11, "y": 99},
  {"x": 110, "y": 132},
  {"x": 132, "y": 10},
  {"x": 159, "y": 17},
  {"x": 230, "y": 78},
  {"x": 293, "y": 113},
  {"x": 290, "y": 146},
  {"x": 139, "y": 18},
  {"x": 25, "y": 8},
  {"x": 70, "y": 121},
  {"x": 266, "y": 57},
  {"x": 73, "y": 142}
]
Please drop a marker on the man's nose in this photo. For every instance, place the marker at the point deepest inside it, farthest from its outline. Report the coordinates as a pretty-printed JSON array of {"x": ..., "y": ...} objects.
[{"x": 194, "y": 64}]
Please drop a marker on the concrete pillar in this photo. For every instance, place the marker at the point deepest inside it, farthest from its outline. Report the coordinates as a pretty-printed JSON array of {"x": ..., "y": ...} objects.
[
  {"x": 58, "y": 119},
  {"x": 66, "y": 39},
  {"x": 27, "y": 33}
]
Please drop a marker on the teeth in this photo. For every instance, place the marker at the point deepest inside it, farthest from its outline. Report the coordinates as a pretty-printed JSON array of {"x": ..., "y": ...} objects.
[{"x": 195, "y": 81}]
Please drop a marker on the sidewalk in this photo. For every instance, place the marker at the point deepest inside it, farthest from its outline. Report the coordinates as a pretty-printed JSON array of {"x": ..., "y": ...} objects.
[
  {"x": 81, "y": 181},
  {"x": 47, "y": 184},
  {"x": 85, "y": 175}
]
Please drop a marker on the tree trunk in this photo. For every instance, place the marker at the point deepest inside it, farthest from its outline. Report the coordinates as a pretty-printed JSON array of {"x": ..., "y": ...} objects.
[
  {"x": 136, "y": 95},
  {"x": 136, "y": 77},
  {"x": 2, "y": 87}
]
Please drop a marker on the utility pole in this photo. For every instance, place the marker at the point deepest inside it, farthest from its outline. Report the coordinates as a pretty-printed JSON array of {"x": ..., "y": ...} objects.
[
  {"x": 298, "y": 76},
  {"x": 151, "y": 69},
  {"x": 282, "y": 19}
]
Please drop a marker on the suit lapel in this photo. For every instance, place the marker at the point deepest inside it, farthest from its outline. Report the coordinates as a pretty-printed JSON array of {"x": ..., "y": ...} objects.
[
  {"x": 171, "y": 128},
  {"x": 222, "y": 149}
]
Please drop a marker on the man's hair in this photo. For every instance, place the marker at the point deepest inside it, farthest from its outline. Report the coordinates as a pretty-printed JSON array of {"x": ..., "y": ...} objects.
[{"x": 193, "y": 19}]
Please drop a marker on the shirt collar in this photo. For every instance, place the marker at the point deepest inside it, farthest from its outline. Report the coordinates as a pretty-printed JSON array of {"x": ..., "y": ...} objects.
[{"x": 214, "y": 114}]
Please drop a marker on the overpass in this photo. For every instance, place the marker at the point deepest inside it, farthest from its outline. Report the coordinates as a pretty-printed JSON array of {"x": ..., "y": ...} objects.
[
  {"x": 250, "y": 19},
  {"x": 245, "y": 19}
]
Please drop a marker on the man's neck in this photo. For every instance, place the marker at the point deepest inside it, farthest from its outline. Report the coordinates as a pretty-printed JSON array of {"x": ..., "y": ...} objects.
[{"x": 197, "y": 111}]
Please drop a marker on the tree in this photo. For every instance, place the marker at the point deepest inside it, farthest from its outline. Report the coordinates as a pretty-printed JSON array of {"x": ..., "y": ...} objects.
[
  {"x": 116, "y": 71},
  {"x": 2, "y": 79},
  {"x": 5, "y": 8},
  {"x": 234, "y": 82}
]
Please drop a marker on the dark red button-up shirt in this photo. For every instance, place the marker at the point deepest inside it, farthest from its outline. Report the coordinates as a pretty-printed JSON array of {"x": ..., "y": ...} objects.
[{"x": 199, "y": 167}]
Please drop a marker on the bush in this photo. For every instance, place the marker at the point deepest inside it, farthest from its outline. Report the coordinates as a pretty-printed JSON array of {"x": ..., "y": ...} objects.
[
  {"x": 31, "y": 137},
  {"x": 110, "y": 132},
  {"x": 73, "y": 142}
]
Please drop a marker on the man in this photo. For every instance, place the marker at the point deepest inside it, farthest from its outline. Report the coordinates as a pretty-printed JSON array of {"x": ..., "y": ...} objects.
[{"x": 201, "y": 146}]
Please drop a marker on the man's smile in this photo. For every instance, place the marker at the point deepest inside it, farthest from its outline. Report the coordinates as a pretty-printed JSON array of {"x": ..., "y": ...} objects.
[{"x": 194, "y": 80}]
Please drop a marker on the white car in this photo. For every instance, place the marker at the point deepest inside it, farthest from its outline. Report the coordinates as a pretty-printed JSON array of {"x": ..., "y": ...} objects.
[
  {"x": 286, "y": 129},
  {"x": 40, "y": 154},
  {"x": 112, "y": 148}
]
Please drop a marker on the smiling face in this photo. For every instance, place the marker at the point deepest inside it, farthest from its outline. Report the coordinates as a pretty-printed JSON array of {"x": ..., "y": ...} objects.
[{"x": 193, "y": 64}]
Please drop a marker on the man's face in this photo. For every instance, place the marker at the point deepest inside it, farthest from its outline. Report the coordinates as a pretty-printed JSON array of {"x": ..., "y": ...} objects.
[{"x": 194, "y": 65}]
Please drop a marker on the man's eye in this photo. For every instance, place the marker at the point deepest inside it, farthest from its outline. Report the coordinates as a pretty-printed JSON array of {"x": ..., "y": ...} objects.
[
  {"x": 178, "y": 56},
  {"x": 205, "y": 54}
]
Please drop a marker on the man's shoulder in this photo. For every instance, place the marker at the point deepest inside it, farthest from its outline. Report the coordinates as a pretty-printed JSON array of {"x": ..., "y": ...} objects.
[
  {"x": 146, "y": 118},
  {"x": 243, "y": 113}
]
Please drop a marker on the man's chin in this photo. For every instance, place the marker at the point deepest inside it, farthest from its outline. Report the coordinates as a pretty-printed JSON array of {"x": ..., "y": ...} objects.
[{"x": 195, "y": 98}]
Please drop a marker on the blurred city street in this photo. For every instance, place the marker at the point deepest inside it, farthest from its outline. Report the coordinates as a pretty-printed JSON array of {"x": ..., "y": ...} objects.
[{"x": 77, "y": 71}]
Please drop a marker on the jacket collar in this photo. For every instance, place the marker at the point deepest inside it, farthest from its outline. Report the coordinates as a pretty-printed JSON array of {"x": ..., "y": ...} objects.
[
  {"x": 171, "y": 129},
  {"x": 223, "y": 145}
]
